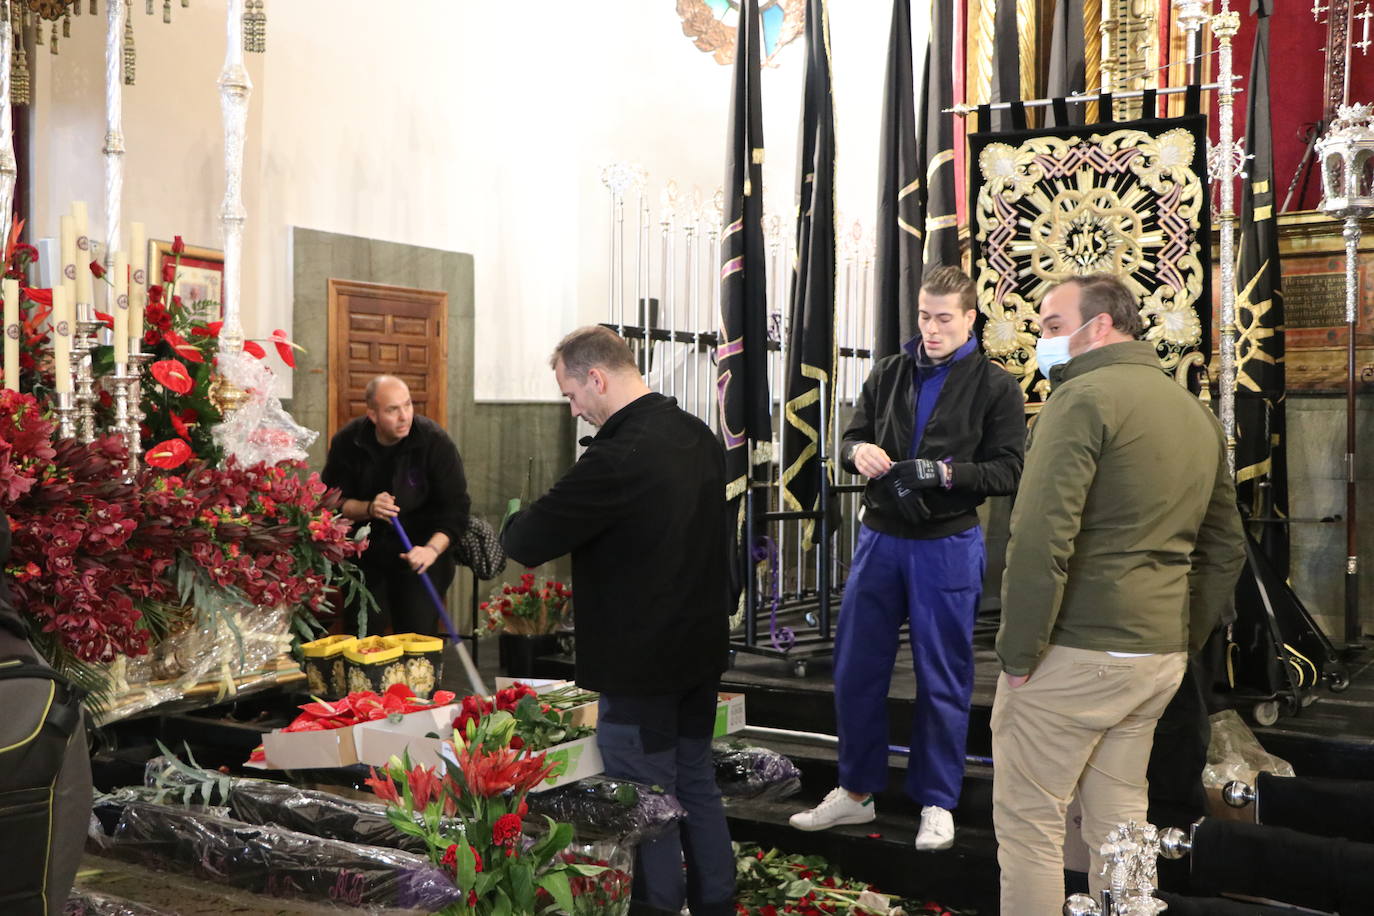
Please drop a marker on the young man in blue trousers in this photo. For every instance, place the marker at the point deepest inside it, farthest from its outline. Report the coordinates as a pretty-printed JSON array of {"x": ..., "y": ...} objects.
[{"x": 938, "y": 429}]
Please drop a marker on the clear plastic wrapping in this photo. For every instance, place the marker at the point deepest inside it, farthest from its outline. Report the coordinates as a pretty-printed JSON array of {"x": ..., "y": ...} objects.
[
  {"x": 267, "y": 859},
  {"x": 93, "y": 903},
  {"x": 746, "y": 771},
  {"x": 1235, "y": 753},
  {"x": 599, "y": 807},
  {"x": 260, "y": 430},
  {"x": 205, "y": 660}
]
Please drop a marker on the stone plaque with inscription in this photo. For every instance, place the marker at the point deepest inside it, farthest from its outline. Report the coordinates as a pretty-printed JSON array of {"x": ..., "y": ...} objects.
[{"x": 1315, "y": 300}]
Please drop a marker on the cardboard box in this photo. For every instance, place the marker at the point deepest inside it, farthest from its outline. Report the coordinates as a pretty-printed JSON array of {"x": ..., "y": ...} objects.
[
  {"x": 377, "y": 742},
  {"x": 307, "y": 750},
  {"x": 729, "y": 714},
  {"x": 573, "y": 760}
]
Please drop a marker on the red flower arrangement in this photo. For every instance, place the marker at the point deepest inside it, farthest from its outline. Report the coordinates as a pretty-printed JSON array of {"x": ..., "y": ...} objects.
[
  {"x": 471, "y": 820},
  {"x": 528, "y": 609}
]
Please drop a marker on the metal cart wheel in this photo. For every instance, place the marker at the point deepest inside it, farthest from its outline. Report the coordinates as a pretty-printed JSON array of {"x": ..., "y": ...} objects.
[
  {"x": 1266, "y": 713},
  {"x": 799, "y": 667},
  {"x": 1337, "y": 680}
]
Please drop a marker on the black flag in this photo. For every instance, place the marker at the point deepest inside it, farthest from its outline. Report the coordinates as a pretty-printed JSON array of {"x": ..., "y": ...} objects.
[
  {"x": 901, "y": 210},
  {"x": 936, "y": 143},
  {"x": 1006, "y": 63},
  {"x": 1261, "y": 468},
  {"x": 1068, "y": 56},
  {"x": 742, "y": 349},
  {"x": 811, "y": 335}
]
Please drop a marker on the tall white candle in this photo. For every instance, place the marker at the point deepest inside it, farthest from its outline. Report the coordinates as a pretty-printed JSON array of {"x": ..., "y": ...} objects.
[
  {"x": 119, "y": 295},
  {"x": 68, "y": 245},
  {"x": 61, "y": 341},
  {"x": 11, "y": 293},
  {"x": 85, "y": 296},
  {"x": 138, "y": 284}
]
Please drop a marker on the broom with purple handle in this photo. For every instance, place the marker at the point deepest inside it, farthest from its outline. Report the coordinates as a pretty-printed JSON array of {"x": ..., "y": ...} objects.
[{"x": 474, "y": 678}]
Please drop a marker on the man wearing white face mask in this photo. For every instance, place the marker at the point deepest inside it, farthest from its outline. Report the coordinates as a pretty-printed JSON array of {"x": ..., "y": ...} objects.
[{"x": 1125, "y": 548}]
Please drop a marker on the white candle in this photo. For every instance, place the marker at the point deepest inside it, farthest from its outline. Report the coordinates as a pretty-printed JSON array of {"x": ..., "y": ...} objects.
[
  {"x": 120, "y": 296},
  {"x": 85, "y": 295},
  {"x": 11, "y": 292},
  {"x": 61, "y": 341},
  {"x": 68, "y": 235},
  {"x": 138, "y": 284}
]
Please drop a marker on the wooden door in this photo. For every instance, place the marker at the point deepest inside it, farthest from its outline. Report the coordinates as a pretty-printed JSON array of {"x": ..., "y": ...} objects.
[{"x": 386, "y": 330}]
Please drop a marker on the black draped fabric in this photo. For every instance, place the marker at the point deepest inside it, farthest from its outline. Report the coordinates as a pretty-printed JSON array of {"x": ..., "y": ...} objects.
[
  {"x": 1324, "y": 807},
  {"x": 811, "y": 332},
  {"x": 1274, "y": 863},
  {"x": 901, "y": 208},
  {"x": 940, "y": 246},
  {"x": 1261, "y": 466},
  {"x": 1006, "y": 62},
  {"x": 1126, "y": 198},
  {"x": 1068, "y": 63},
  {"x": 1217, "y": 906},
  {"x": 742, "y": 351}
]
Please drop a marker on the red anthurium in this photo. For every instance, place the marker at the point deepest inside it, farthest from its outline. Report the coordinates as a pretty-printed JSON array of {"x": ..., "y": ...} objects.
[
  {"x": 284, "y": 347},
  {"x": 180, "y": 426},
  {"x": 41, "y": 296},
  {"x": 254, "y": 348},
  {"x": 168, "y": 454},
  {"x": 107, "y": 320},
  {"x": 182, "y": 348},
  {"x": 173, "y": 375}
]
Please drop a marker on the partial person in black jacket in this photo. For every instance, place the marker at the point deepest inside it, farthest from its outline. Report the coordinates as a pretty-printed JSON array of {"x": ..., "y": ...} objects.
[
  {"x": 938, "y": 429},
  {"x": 643, "y": 514},
  {"x": 392, "y": 464}
]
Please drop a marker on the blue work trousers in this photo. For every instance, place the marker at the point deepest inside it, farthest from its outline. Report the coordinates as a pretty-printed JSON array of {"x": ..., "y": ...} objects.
[
  {"x": 665, "y": 740},
  {"x": 934, "y": 585}
]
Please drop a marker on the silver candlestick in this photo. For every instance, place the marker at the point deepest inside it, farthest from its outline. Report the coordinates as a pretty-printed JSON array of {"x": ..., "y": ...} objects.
[
  {"x": 66, "y": 411},
  {"x": 123, "y": 380},
  {"x": 135, "y": 434},
  {"x": 83, "y": 350}
]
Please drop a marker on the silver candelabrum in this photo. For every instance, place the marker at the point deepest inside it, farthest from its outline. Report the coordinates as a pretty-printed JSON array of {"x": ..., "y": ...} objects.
[
  {"x": 84, "y": 343},
  {"x": 1130, "y": 856},
  {"x": 128, "y": 411}
]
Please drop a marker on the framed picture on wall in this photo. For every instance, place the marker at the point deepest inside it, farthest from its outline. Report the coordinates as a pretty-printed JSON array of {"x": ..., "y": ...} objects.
[{"x": 199, "y": 278}]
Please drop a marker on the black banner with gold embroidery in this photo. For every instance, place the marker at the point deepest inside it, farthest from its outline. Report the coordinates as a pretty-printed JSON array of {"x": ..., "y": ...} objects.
[
  {"x": 742, "y": 348},
  {"x": 1128, "y": 198},
  {"x": 1261, "y": 468},
  {"x": 940, "y": 246},
  {"x": 901, "y": 207},
  {"x": 811, "y": 332}
]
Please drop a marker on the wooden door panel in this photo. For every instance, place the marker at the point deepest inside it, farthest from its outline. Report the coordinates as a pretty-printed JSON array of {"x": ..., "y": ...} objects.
[{"x": 376, "y": 330}]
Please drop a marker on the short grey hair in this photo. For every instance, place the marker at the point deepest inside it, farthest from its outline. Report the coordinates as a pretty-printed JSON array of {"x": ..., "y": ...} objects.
[
  {"x": 589, "y": 347},
  {"x": 1103, "y": 293}
]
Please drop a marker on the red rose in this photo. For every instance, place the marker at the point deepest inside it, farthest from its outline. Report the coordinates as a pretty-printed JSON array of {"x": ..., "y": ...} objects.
[
  {"x": 169, "y": 271},
  {"x": 178, "y": 246},
  {"x": 98, "y": 269}
]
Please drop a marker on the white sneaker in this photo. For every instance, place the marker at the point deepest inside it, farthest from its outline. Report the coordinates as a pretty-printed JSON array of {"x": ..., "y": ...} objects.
[
  {"x": 836, "y": 808},
  {"x": 937, "y": 829}
]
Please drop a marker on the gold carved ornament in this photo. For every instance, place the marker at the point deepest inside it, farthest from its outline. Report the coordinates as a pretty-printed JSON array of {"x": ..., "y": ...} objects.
[{"x": 703, "y": 24}]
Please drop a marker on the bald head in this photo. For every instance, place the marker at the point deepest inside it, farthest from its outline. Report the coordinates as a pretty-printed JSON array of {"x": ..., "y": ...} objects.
[{"x": 389, "y": 408}]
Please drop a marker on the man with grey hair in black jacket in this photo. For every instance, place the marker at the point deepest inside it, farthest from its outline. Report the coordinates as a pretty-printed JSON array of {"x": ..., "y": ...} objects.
[{"x": 643, "y": 514}]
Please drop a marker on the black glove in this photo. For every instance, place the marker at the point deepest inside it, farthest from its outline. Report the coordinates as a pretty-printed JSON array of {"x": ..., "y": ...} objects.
[{"x": 907, "y": 478}]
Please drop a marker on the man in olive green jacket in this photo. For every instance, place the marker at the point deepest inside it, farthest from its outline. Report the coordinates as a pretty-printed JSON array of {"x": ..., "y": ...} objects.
[{"x": 1125, "y": 548}]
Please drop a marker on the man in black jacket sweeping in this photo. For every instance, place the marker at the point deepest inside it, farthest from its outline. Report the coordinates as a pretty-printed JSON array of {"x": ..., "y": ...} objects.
[
  {"x": 643, "y": 514},
  {"x": 938, "y": 429},
  {"x": 389, "y": 464}
]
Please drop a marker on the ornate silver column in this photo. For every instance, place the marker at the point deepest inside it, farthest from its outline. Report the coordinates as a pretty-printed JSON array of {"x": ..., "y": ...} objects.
[
  {"x": 8, "y": 170},
  {"x": 235, "y": 88},
  {"x": 1345, "y": 155},
  {"x": 114, "y": 125},
  {"x": 1225, "y": 25}
]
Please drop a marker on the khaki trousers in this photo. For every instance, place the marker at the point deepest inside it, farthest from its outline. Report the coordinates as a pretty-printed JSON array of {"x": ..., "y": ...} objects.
[{"x": 1084, "y": 723}]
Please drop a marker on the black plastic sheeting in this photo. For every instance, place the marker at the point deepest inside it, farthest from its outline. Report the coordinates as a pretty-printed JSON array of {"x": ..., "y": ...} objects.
[
  {"x": 266, "y": 859},
  {"x": 598, "y": 807},
  {"x": 744, "y": 771}
]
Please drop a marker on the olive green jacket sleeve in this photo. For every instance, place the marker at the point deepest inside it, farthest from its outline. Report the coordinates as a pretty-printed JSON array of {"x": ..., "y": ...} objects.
[
  {"x": 1217, "y": 557},
  {"x": 1061, "y": 463}
]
